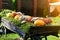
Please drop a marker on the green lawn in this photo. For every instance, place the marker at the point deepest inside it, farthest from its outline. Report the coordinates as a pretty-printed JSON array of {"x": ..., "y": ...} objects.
[
  {"x": 15, "y": 37},
  {"x": 9, "y": 37},
  {"x": 51, "y": 38}
]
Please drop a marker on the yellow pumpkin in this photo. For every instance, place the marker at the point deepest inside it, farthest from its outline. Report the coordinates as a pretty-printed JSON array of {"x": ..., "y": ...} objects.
[{"x": 9, "y": 15}]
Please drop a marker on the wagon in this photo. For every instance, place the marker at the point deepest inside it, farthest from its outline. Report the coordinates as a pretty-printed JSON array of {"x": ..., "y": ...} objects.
[{"x": 35, "y": 33}]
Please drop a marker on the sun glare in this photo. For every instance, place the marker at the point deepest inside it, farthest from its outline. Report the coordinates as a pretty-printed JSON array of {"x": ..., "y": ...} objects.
[{"x": 56, "y": 3}]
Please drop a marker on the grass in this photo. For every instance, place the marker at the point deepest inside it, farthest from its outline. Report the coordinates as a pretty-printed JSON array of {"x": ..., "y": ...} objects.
[
  {"x": 15, "y": 37},
  {"x": 9, "y": 37},
  {"x": 51, "y": 38}
]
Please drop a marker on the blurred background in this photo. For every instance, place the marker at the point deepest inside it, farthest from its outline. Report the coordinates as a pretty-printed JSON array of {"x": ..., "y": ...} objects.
[
  {"x": 28, "y": 7},
  {"x": 33, "y": 7}
]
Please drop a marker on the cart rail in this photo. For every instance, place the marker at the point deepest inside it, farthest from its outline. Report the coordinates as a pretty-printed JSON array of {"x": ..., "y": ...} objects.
[{"x": 11, "y": 27}]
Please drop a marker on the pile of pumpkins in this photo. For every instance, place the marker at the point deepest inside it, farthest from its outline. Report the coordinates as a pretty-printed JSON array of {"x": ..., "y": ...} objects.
[{"x": 38, "y": 21}]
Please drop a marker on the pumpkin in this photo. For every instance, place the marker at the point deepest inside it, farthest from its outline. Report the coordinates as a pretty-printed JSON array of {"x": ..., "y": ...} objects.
[
  {"x": 9, "y": 15},
  {"x": 17, "y": 17},
  {"x": 14, "y": 13},
  {"x": 39, "y": 23}
]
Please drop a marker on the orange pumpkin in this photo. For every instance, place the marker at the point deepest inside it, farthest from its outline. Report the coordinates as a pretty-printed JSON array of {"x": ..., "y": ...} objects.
[
  {"x": 17, "y": 17},
  {"x": 14, "y": 13},
  {"x": 39, "y": 23}
]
